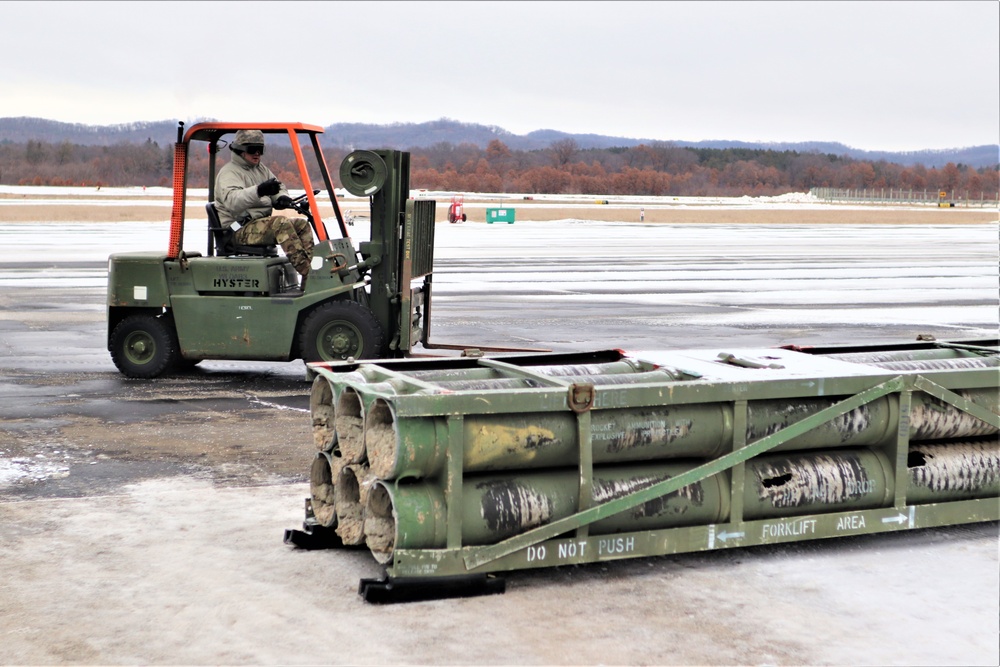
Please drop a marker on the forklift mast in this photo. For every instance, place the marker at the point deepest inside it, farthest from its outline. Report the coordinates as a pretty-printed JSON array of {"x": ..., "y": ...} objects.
[{"x": 401, "y": 250}]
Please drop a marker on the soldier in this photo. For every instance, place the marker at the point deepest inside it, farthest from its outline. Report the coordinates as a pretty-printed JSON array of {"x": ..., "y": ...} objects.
[{"x": 246, "y": 192}]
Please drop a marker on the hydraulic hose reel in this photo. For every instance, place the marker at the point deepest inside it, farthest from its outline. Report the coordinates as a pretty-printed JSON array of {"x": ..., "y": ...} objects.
[{"x": 363, "y": 173}]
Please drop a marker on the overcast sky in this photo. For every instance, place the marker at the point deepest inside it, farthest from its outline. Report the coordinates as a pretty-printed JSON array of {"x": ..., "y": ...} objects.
[{"x": 872, "y": 75}]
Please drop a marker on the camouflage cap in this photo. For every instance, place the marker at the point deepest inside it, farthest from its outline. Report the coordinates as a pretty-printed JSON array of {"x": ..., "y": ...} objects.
[{"x": 244, "y": 138}]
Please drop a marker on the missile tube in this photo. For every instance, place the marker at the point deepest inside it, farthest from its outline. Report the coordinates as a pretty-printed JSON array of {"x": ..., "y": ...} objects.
[
  {"x": 413, "y": 514},
  {"x": 417, "y": 446}
]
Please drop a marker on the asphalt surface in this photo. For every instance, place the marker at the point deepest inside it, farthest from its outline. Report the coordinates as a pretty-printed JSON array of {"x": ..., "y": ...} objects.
[{"x": 141, "y": 521}]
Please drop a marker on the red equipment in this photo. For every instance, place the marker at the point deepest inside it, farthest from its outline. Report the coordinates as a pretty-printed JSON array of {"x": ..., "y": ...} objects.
[{"x": 455, "y": 211}]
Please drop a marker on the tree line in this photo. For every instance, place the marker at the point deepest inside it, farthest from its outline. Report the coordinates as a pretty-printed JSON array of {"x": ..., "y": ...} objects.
[{"x": 656, "y": 169}]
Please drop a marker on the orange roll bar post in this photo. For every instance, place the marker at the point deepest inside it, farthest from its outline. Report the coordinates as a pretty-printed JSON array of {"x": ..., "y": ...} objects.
[
  {"x": 320, "y": 227},
  {"x": 177, "y": 213}
]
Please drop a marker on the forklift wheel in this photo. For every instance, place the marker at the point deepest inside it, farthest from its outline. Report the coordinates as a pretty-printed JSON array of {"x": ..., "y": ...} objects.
[
  {"x": 143, "y": 346},
  {"x": 337, "y": 330}
]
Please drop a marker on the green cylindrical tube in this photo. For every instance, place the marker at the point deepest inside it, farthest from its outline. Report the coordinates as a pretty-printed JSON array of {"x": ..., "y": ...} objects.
[
  {"x": 351, "y": 494},
  {"x": 414, "y": 516},
  {"x": 953, "y": 471},
  {"x": 416, "y": 446},
  {"x": 321, "y": 488},
  {"x": 487, "y": 373},
  {"x": 941, "y": 364},
  {"x": 869, "y": 424},
  {"x": 410, "y": 516},
  {"x": 497, "y": 384},
  {"x": 323, "y": 414},
  {"x": 888, "y": 356},
  {"x": 417, "y": 451},
  {"x": 781, "y": 485},
  {"x": 932, "y": 419},
  {"x": 350, "y": 424}
]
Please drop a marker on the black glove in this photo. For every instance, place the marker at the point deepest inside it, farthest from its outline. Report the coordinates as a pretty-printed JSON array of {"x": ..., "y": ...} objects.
[
  {"x": 269, "y": 187},
  {"x": 283, "y": 201}
]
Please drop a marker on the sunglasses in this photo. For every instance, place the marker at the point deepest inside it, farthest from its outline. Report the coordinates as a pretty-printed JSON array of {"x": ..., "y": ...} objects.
[{"x": 255, "y": 149}]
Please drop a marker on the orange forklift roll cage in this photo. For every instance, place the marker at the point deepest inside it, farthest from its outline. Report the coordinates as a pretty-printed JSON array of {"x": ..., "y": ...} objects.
[{"x": 211, "y": 133}]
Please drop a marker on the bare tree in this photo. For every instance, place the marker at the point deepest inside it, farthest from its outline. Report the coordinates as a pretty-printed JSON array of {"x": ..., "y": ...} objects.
[{"x": 563, "y": 151}]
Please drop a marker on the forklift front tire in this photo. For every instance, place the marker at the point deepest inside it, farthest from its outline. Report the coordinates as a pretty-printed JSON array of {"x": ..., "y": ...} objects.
[
  {"x": 143, "y": 346},
  {"x": 338, "y": 330}
]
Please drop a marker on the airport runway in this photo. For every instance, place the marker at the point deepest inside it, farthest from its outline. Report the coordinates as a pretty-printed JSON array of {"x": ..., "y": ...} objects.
[{"x": 141, "y": 521}]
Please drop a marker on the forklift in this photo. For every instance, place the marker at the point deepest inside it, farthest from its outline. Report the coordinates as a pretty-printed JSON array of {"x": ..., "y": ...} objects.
[{"x": 168, "y": 311}]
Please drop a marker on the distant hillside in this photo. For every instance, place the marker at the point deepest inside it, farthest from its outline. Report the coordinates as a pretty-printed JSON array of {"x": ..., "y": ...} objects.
[
  {"x": 424, "y": 135},
  {"x": 21, "y": 130},
  {"x": 420, "y": 135}
]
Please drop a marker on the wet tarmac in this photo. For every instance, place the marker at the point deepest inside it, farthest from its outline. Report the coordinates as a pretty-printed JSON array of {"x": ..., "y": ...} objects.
[
  {"x": 71, "y": 427},
  {"x": 562, "y": 286}
]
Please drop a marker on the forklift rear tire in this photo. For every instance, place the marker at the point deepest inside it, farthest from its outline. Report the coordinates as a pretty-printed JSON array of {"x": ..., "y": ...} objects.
[
  {"x": 143, "y": 346},
  {"x": 338, "y": 330}
]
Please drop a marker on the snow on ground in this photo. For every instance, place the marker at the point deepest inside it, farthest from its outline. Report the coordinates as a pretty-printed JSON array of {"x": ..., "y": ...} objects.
[
  {"x": 77, "y": 191},
  {"x": 162, "y": 195}
]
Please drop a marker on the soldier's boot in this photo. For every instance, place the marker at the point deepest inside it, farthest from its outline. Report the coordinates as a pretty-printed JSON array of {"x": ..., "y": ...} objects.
[{"x": 300, "y": 260}]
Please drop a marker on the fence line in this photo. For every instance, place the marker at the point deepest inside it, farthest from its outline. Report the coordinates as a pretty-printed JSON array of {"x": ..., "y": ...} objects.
[{"x": 956, "y": 198}]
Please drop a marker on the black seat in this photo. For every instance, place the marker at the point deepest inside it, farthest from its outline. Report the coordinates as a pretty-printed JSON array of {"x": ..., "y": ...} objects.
[{"x": 224, "y": 243}]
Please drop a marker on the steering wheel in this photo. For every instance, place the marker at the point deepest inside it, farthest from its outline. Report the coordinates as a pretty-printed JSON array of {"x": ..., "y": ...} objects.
[
  {"x": 301, "y": 203},
  {"x": 303, "y": 196}
]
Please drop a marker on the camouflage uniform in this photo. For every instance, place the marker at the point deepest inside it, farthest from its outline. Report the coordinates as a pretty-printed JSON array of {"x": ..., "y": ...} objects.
[
  {"x": 294, "y": 235},
  {"x": 237, "y": 201}
]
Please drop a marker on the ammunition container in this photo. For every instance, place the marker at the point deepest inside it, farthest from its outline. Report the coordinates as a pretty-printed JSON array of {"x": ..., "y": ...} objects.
[{"x": 468, "y": 466}]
